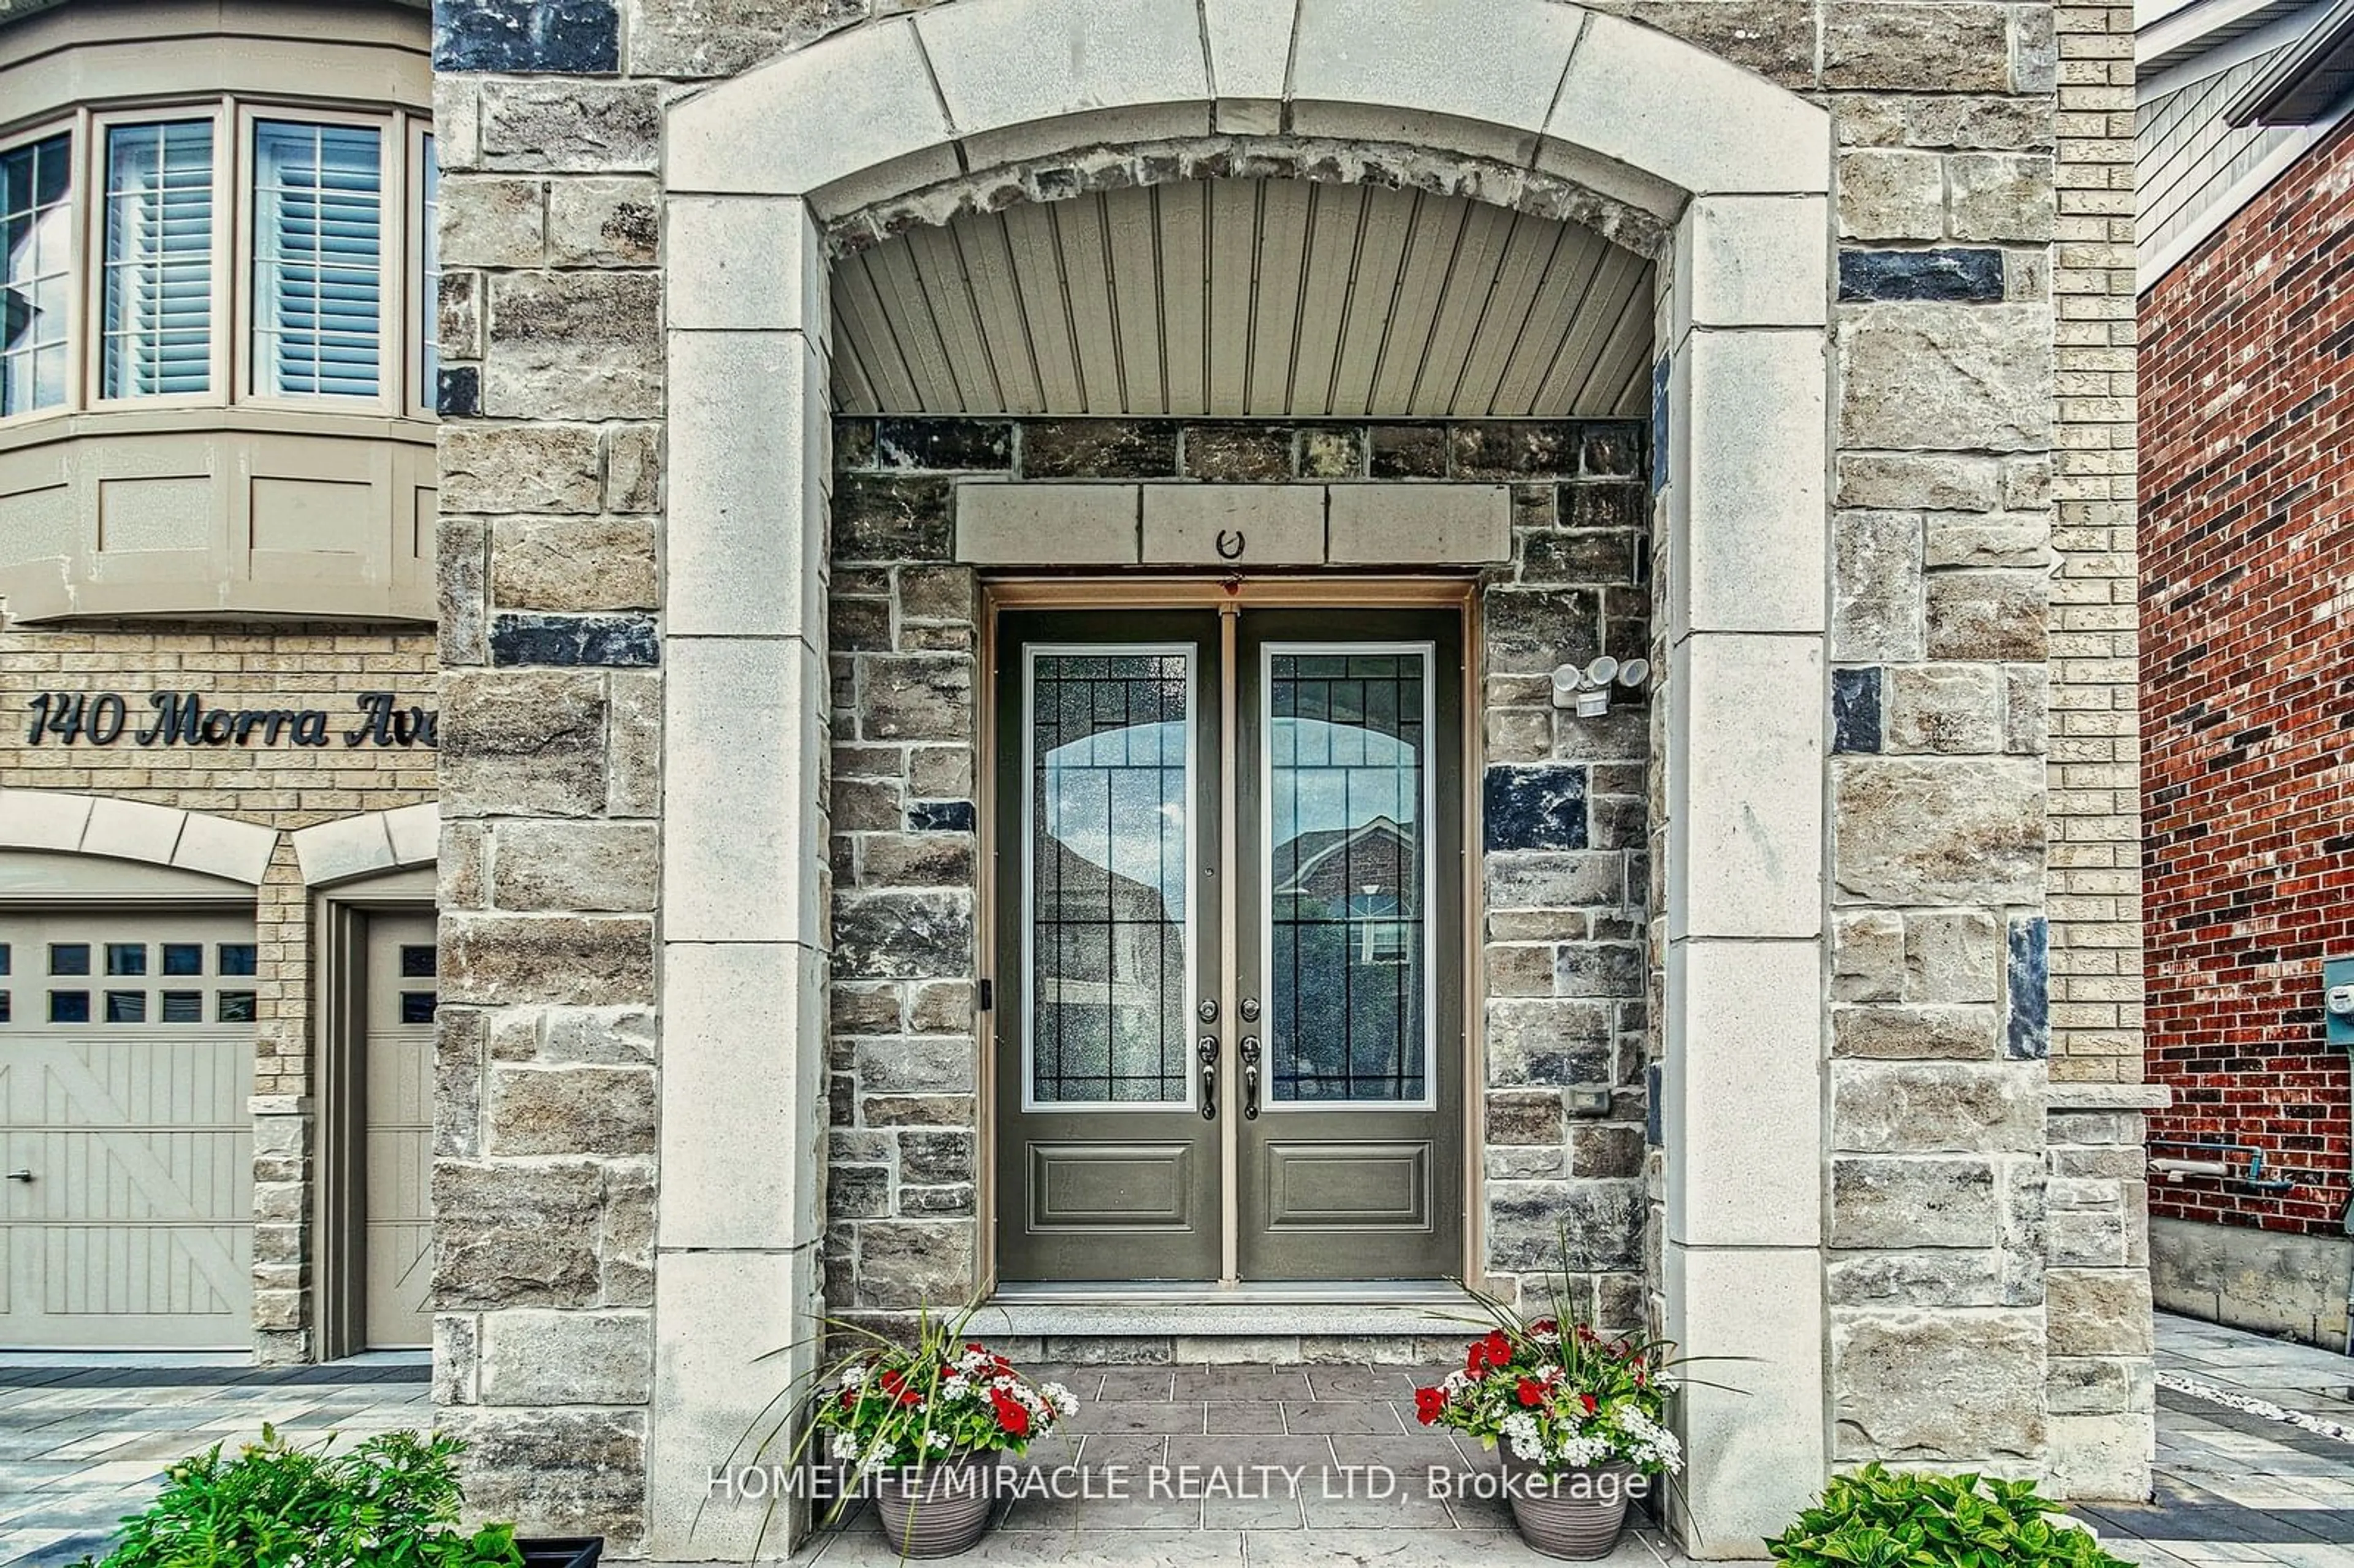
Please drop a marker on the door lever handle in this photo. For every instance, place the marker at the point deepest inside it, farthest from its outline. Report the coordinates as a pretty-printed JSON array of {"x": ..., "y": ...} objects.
[
  {"x": 20, "y": 1176},
  {"x": 1208, "y": 1051},
  {"x": 1250, "y": 1077}
]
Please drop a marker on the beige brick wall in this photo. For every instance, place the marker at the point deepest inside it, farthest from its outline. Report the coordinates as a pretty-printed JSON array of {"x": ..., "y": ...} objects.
[{"x": 283, "y": 786}]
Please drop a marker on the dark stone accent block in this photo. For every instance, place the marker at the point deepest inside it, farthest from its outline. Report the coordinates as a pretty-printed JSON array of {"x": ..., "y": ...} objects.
[
  {"x": 902, "y": 936},
  {"x": 458, "y": 392},
  {"x": 1536, "y": 805},
  {"x": 2027, "y": 1035},
  {"x": 1238, "y": 454},
  {"x": 572, "y": 38},
  {"x": 1516, "y": 449},
  {"x": 618, "y": 641},
  {"x": 1612, "y": 451},
  {"x": 1660, "y": 424},
  {"x": 891, "y": 519},
  {"x": 1099, "y": 449},
  {"x": 1409, "y": 451},
  {"x": 1964, "y": 277},
  {"x": 1654, "y": 1132},
  {"x": 955, "y": 446},
  {"x": 941, "y": 817},
  {"x": 1855, "y": 709}
]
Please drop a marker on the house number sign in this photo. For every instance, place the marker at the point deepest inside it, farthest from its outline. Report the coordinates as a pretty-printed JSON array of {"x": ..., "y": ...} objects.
[{"x": 186, "y": 718}]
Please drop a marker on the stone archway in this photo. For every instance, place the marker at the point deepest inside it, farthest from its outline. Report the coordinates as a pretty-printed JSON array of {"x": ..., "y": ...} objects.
[{"x": 1734, "y": 169}]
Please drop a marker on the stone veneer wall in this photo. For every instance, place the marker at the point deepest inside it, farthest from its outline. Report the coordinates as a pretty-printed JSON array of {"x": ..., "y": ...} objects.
[
  {"x": 283, "y": 787},
  {"x": 1566, "y": 862},
  {"x": 1963, "y": 128}
]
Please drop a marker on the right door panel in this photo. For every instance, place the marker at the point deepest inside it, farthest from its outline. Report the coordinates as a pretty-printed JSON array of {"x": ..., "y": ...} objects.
[{"x": 1349, "y": 943}]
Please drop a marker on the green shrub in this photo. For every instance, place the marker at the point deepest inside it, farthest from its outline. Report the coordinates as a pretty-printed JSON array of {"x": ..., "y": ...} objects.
[
  {"x": 1875, "y": 1518},
  {"x": 389, "y": 1502}
]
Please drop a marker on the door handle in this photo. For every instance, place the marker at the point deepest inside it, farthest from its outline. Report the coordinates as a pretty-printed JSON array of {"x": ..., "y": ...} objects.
[
  {"x": 1250, "y": 1077},
  {"x": 1208, "y": 1051},
  {"x": 20, "y": 1176}
]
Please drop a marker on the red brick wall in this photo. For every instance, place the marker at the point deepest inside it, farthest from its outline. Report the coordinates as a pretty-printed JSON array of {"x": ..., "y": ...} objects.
[{"x": 2247, "y": 565}]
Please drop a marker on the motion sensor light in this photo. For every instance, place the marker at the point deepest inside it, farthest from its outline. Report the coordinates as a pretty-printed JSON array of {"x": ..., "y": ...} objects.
[{"x": 1634, "y": 673}]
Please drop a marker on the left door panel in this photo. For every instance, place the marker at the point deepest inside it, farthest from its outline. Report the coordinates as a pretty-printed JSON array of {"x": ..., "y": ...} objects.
[
  {"x": 1107, "y": 1163},
  {"x": 126, "y": 1064}
]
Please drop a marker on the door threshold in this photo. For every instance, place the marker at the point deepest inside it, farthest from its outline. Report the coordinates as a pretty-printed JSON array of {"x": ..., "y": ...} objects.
[{"x": 1278, "y": 1311}]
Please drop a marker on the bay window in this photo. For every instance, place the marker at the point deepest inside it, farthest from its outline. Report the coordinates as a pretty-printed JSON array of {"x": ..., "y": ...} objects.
[{"x": 216, "y": 253}]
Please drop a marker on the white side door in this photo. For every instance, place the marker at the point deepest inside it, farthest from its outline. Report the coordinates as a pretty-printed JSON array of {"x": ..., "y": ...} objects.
[{"x": 397, "y": 1050}]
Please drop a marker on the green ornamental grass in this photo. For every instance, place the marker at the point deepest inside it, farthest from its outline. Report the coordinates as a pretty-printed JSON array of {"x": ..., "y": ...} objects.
[
  {"x": 1878, "y": 1518},
  {"x": 388, "y": 1502}
]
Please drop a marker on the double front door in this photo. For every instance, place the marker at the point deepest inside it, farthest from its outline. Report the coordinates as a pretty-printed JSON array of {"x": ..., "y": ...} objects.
[{"x": 1228, "y": 1011}]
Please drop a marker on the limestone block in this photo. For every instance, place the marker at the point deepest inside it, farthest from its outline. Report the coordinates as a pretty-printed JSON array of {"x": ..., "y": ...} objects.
[
  {"x": 492, "y": 220},
  {"x": 926, "y": 1066},
  {"x": 1953, "y": 47},
  {"x": 1933, "y": 481},
  {"x": 1566, "y": 879},
  {"x": 415, "y": 832},
  {"x": 216, "y": 847},
  {"x": 1631, "y": 94},
  {"x": 1744, "y": 786},
  {"x": 341, "y": 849},
  {"x": 1997, "y": 540},
  {"x": 743, "y": 720},
  {"x": 603, "y": 222},
  {"x": 500, "y": 960},
  {"x": 519, "y": 468},
  {"x": 1603, "y": 1220},
  {"x": 1249, "y": 524},
  {"x": 1047, "y": 524},
  {"x": 1935, "y": 1107},
  {"x": 2098, "y": 1311},
  {"x": 1249, "y": 45},
  {"x": 1987, "y": 615},
  {"x": 1960, "y": 1387},
  {"x": 592, "y": 867},
  {"x": 515, "y": 1235},
  {"x": 1952, "y": 955},
  {"x": 914, "y": 1263},
  {"x": 742, "y": 1094},
  {"x": 1879, "y": 1201},
  {"x": 574, "y": 346},
  {"x": 567, "y": 124},
  {"x": 880, "y": 106},
  {"x": 634, "y": 785},
  {"x": 539, "y": 1358},
  {"x": 745, "y": 532},
  {"x": 2102, "y": 1456},
  {"x": 1947, "y": 377},
  {"x": 1754, "y": 262},
  {"x": 722, "y": 1319},
  {"x": 724, "y": 37},
  {"x": 1393, "y": 524},
  {"x": 903, "y": 934},
  {"x": 1750, "y": 554},
  {"x": 578, "y": 1471},
  {"x": 523, "y": 742},
  {"x": 1867, "y": 956},
  {"x": 1945, "y": 708},
  {"x": 573, "y": 564},
  {"x": 744, "y": 263},
  {"x": 1504, "y": 73},
  {"x": 45, "y": 819},
  {"x": 1742, "y": 1092},
  {"x": 1015, "y": 62},
  {"x": 1549, "y": 1040},
  {"x": 1897, "y": 1280},
  {"x": 1946, "y": 829},
  {"x": 2001, "y": 196},
  {"x": 1753, "y": 1429},
  {"x": 1876, "y": 586},
  {"x": 1890, "y": 195},
  {"x": 462, "y": 595},
  {"x": 918, "y": 697}
]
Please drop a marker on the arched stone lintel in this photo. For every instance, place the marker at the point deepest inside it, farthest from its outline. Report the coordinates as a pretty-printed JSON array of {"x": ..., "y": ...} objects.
[
  {"x": 371, "y": 842},
  {"x": 1538, "y": 84},
  {"x": 136, "y": 830}
]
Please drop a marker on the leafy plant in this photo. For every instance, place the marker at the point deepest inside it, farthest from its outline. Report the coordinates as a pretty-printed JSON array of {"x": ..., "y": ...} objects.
[
  {"x": 1561, "y": 1398},
  {"x": 1878, "y": 1518},
  {"x": 389, "y": 1502}
]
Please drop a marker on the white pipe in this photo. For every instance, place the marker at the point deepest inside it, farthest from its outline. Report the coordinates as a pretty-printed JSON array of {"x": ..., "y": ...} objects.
[{"x": 2176, "y": 1170}]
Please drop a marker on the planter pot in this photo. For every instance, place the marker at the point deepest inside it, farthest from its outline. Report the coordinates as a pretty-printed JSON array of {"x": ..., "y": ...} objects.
[
  {"x": 1577, "y": 1513},
  {"x": 565, "y": 1551},
  {"x": 939, "y": 1510}
]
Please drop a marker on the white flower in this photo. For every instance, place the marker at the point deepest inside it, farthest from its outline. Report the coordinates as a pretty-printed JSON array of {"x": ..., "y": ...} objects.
[
  {"x": 845, "y": 1446},
  {"x": 936, "y": 1439},
  {"x": 854, "y": 1376},
  {"x": 953, "y": 1387},
  {"x": 1064, "y": 1401}
]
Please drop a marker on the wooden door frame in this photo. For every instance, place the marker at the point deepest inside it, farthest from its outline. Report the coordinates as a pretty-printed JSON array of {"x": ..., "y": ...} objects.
[
  {"x": 339, "y": 918},
  {"x": 1458, "y": 592}
]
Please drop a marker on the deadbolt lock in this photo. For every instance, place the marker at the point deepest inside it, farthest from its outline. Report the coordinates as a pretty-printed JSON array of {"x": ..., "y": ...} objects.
[
  {"x": 1250, "y": 1009},
  {"x": 1208, "y": 1010}
]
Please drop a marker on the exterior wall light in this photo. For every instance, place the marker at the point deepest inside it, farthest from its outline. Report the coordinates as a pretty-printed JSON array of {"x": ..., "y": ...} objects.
[{"x": 1587, "y": 688}]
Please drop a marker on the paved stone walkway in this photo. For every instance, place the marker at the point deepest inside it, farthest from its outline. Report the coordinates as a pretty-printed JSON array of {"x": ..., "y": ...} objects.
[{"x": 2236, "y": 1487}]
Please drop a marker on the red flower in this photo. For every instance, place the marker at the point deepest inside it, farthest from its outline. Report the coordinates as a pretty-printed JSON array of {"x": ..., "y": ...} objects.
[
  {"x": 1494, "y": 1351},
  {"x": 1011, "y": 1415},
  {"x": 1591, "y": 1403},
  {"x": 1532, "y": 1392},
  {"x": 1427, "y": 1403},
  {"x": 1545, "y": 1326},
  {"x": 976, "y": 1345}
]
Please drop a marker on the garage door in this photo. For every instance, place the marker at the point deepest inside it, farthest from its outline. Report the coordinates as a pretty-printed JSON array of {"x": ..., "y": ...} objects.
[
  {"x": 399, "y": 1051},
  {"x": 126, "y": 1060}
]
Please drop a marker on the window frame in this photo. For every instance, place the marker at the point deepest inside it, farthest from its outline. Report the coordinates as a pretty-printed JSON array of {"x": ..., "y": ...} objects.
[
  {"x": 75, "y": 127},
  {"x": 227, "y": 213},
  {"x": 402, "y": 132}
]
